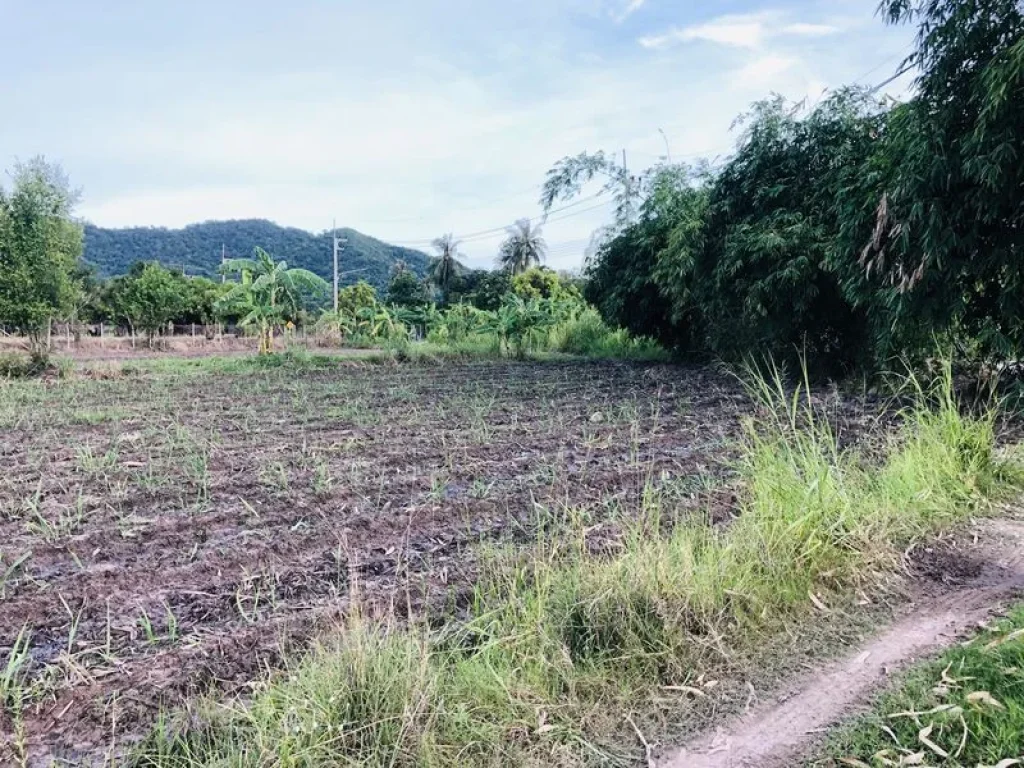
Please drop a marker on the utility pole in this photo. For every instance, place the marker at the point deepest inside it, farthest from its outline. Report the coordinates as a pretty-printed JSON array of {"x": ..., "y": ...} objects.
[
  {"x": 334, "y": 233},
  {"x": 628, "y": 183},
  {"x": 223, "y": 276}
]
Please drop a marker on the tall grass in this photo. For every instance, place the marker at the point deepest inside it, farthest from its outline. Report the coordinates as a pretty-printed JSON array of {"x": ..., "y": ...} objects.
[
  {"x": 559, "y": 642},
  {"x": 587, "y": 335}
]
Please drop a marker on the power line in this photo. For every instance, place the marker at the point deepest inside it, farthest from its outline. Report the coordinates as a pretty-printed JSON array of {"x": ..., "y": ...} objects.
[
  {"x": 504, "y": 199},
  {"x": 712, "y": 155},
  {"x": 902, "y": 71},
  {"x": 900, "y": 54},
  {"x": 470, "y": 236},
  {"x": 493, "y": 235}
]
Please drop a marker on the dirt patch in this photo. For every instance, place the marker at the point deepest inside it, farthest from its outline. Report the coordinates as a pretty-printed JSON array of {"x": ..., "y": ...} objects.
[
  {"x": 981, "y": 577},
  {"x": 166, "y": 534},
  {"x": 171, "y": 533},
  {"x": 946, "y": 562}
]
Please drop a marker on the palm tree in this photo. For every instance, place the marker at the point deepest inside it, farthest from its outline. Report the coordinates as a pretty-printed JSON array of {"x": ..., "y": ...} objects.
[
  {"x": 268, "y": 292},
  {"x": 445, "y": 267},
  {"x": 524, "y": 247}
]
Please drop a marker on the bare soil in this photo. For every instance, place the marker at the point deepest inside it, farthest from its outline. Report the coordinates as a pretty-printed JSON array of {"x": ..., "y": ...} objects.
[
  {"x": 958, "y": 588},
  {"x": 164, "y": 535}
]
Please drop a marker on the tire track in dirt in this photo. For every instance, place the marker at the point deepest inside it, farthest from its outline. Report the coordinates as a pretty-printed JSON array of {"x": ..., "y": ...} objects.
[{"x": 780, "y": 734}]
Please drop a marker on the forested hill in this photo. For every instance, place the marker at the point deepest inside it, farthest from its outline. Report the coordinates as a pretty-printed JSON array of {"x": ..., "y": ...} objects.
[{"x": 197, "y": 248}]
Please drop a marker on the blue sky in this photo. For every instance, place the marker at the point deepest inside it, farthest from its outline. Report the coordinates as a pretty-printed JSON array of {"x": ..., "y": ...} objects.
[{"x": 402, "y": 118}]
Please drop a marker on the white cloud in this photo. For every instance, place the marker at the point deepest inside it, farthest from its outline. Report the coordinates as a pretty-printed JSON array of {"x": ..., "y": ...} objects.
[
  {"x": 739, "y": 31},
  {"x": 631, "y": 7},
  {"x": 802, "y": 29},
  {"x": 764, "y": 72}
]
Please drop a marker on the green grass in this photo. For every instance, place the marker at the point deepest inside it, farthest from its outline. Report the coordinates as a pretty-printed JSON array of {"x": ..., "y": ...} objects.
[
  {"x": 968, "y": 703},
  {"x": 560, "y": 644}
]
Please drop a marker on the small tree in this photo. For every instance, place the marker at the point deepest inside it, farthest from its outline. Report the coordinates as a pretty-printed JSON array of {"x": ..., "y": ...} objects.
[
  {"x": 542, "y": 283},
  {"x": 154, "y": 296},
  {"x": 354, "y": 298},
  {"x": 490, "y": 290},
  {"x": 40, "y": 246},
  {"x": 353, "y": 302},
  {"x": 524, "y": 248},
  {"x": 268, "y": 294},
  {"x": 405, "y": 289}
]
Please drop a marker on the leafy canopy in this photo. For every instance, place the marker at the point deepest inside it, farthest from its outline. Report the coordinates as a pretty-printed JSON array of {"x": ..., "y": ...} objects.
[
  {"x": 269, "y": 293},
  {"x": 523, "y": 248},
  {"x": 40, "y": 245}
]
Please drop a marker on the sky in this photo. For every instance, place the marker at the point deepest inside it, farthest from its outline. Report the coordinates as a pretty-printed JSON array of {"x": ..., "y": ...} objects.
[{"x": 404, "y": 119}]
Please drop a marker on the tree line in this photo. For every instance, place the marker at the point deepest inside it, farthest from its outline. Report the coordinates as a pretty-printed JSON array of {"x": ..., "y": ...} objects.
[
  {"x": 44, "y": 279},
  {"x": 847, "y": 232},
  {"x": 850, "y": 231}
]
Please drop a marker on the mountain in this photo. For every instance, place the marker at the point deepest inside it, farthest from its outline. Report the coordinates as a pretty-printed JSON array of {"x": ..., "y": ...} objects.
[{"x": 197, "y": 249}]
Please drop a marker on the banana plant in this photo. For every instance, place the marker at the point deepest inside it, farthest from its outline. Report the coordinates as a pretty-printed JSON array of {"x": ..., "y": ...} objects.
[
  {"x": 268, "y": 293},
  {"x": 462, "y": 320},
  {"x": 379, "y": 323}
]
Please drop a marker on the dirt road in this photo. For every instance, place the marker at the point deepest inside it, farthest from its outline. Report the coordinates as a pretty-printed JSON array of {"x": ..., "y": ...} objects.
[{"x": 783, "y": 731}]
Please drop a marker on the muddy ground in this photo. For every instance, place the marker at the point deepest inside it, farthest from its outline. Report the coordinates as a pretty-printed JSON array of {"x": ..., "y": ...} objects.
[{"x": 165, "y": 534}]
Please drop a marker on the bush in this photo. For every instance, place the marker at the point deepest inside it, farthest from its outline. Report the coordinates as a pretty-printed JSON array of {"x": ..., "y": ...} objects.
[
  {"x": 16, "y": 366},
  {"x": 585, "y": 334}
]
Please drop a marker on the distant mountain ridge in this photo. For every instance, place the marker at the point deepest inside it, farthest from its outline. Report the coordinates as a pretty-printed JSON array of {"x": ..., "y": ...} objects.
[{"x": 197, "y": 249}]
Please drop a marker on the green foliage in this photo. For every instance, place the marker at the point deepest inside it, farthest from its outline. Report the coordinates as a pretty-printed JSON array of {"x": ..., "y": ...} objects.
[
  {"x": 537, "y": 324},
  {"x": 39, "y": 250},
  {"x": 744, "y": 260},
  {"x": 269, "y": 293},
  {"x": 853, "y": 232},
  {"x": 621, "y": 284},
  {"x": 17, "y": 366},
  {"x": 196, "y": 249},
  {"x": 405, "y": 288},
  {"x": 586, "y": 334},
  {"x": 483, "y": 289},
  {"x": 355, "y": 298},
  {"x": 948, "y": 198},
  {"x": 542, "y": 283},
  {"x": 567, "y": 177},
  {"x": 149, "y": 297},
  {"x": 764, "y": 277},
  {"x": 362, "y": 319},
  {"x": 523, "y": 248}
]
